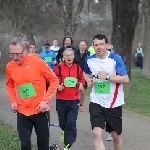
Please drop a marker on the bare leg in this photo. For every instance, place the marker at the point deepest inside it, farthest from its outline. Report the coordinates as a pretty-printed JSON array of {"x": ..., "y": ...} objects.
[
  {"x": 97, "y": 139},
  {"x": 117, "y": 141},
  {"x": 82, "y": 96}
]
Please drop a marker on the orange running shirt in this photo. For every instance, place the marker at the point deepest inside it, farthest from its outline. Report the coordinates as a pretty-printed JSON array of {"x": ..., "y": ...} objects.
[{"x": 32, "y": 71}]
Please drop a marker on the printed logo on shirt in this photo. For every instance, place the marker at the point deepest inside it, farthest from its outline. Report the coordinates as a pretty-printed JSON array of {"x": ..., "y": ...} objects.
[{"x": 27, "y": 67}]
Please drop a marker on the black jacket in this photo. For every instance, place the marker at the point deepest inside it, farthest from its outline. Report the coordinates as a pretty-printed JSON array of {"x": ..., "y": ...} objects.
[
  {"x": 80, "y": 59},
  {"x": 60, "y": 53}
]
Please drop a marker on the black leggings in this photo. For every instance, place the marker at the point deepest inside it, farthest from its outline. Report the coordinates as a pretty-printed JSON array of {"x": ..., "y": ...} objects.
[{"x": 41, "y": 124}]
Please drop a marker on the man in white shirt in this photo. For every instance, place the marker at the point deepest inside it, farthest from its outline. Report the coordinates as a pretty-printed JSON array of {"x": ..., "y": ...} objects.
[
  {"x": 106, "y": 73},
  {"x": 55, "y": 46}
]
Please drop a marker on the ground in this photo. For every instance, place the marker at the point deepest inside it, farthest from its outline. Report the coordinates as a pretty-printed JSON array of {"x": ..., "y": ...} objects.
[{"x": 136, "y": 128}]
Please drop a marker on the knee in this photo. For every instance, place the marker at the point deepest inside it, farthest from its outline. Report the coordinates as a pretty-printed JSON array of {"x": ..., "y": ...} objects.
[
  {"x": 116, "y": 138},
  {"x": 97, "y": 133}
]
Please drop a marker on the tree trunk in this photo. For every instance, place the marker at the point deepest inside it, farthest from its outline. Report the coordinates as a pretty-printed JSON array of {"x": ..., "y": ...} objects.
[
  {"x": 125, "y": 16},
  {"x": 146, "y": 66},
  {"x": 70, "y": 11},
  {"x": 68, "y": 21}
]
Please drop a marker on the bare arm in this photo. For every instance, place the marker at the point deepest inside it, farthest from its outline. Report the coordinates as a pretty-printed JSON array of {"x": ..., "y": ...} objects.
[
  {"x": 119, "y": 79},
  {"x": 113, "y": 78},
  {"x": 87, "y": 76}
]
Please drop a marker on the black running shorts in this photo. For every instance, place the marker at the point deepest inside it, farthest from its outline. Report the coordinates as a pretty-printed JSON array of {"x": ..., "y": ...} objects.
[{"x": 108, "y": 118}]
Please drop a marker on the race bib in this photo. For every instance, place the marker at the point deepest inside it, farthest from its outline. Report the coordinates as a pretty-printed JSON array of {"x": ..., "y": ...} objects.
[
  {"x": 102, "y": 87},
  {"x": 48, "y": 59},
  {"x": 26, "y": 91},
  {"x": 70, "y": 82}
]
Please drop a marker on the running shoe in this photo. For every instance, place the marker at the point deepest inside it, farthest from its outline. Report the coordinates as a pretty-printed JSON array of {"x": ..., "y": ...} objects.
[
  {"x": 66, "y": 147},
  {"x": 62, "y": 137},
  {"x": 109, "y": 138}
]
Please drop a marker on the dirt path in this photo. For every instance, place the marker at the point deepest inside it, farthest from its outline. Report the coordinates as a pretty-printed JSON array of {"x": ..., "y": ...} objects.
[{"x": 136, "y": 128}]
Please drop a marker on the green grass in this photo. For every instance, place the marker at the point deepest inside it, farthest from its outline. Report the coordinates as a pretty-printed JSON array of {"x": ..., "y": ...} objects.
[
  {"x": 9, "y": 138},
  {"x": 137, "y": 99}
]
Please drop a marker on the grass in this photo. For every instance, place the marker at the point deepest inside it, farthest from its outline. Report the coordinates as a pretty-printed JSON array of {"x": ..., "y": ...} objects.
[
  {"x": 137, "y": 99},
  {"x": 9, "y": 138}
]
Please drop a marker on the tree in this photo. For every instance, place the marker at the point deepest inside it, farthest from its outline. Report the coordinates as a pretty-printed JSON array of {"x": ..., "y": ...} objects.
[
  {"x": 70, "y": 11},
  {"x": 146, "y": 12},
  {"x": 125, "y": 16}
]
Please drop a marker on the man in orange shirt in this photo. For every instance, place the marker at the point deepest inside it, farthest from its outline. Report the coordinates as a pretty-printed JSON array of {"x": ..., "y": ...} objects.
[{"x": 27, "y": 94}]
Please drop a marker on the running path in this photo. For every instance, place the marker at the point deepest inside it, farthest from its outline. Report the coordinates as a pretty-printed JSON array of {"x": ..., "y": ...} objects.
[{"x": 136, "y": 128}]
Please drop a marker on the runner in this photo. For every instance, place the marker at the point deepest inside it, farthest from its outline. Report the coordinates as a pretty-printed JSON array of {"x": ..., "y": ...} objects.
[
  {"x": 55, "y": 46},
  {"x": 50, "y": 58},
  {"x": 32, "y": 51},
  {"x": 67, "y": 97},
  {"x": 25, "y": 84},
  {"x": 107, "y": 73},
  {"x": 67, "y": 43},
  {"x": 80, "y": 56}
]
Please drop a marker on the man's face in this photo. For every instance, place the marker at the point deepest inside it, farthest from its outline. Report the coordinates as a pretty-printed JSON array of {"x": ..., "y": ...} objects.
[
  {"x": 17, "y": 53},
  {"x": 32, "y": 48},
  {"x": 68, "y": 42},
  {"x": 109, "y": 47},
  {"x": 55, "y": 43},
  {"x": 139, "y": 44},
  {"x": 82, "y": 46},
  {"x": 47, "y": 49},
  {"x": 68, "y": 56},
  {"x": 100, "y": 47}
]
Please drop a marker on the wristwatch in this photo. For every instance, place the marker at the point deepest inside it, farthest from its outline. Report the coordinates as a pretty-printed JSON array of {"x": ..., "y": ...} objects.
[{"x": 107, "y": 76}]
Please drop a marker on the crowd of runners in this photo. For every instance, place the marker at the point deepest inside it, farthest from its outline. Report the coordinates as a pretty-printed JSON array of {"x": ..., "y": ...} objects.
[{"x": 32, "y": 79}]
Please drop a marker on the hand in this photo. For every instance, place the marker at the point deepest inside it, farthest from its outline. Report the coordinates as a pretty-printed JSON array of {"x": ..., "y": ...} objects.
[
  {"x": 60, "y": 87},
  {"x": 14, "y": 107},
  {"x": 90, "y": 82},
  {"x": 80, "y": 86},
  {"x": 43, "y": 106},
  {"x": 102, "y": 75}
]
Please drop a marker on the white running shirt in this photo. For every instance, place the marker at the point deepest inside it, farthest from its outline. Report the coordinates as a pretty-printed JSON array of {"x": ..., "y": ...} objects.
[{"x": 113, "y": 95}]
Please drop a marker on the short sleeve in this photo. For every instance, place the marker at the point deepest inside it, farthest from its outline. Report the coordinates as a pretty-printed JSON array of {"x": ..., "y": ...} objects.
[
  {"x": 120, "y": 66},
  {"x": 86, "y": 67}
]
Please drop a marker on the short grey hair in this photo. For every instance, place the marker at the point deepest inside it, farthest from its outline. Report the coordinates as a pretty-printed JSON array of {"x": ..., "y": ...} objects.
[
  {"x": 68, "y": 49},
  {"x": 18, "y": 40}
]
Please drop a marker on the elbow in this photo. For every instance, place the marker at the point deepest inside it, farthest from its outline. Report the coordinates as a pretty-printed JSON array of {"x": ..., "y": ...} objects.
[{"x": 126, "y": 80}]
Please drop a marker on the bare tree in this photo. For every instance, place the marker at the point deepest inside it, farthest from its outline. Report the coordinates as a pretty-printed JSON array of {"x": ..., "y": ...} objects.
[
  {"x": 125, "y": 16},
  {"x": 70, "y": 11}
]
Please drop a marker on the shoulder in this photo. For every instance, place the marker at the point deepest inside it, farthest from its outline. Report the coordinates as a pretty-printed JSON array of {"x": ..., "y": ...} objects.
[
  {"x": 91, "y": 57},
  {"x": 61, "y": 48},
  {"x": 115, "y": 57},
  {"x": 87, "y": 52},
  {"x": 10, "y": 65}
]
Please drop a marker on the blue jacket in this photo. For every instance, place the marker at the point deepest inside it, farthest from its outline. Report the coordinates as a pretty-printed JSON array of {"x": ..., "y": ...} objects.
[{"x": 48, "y": 57}]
